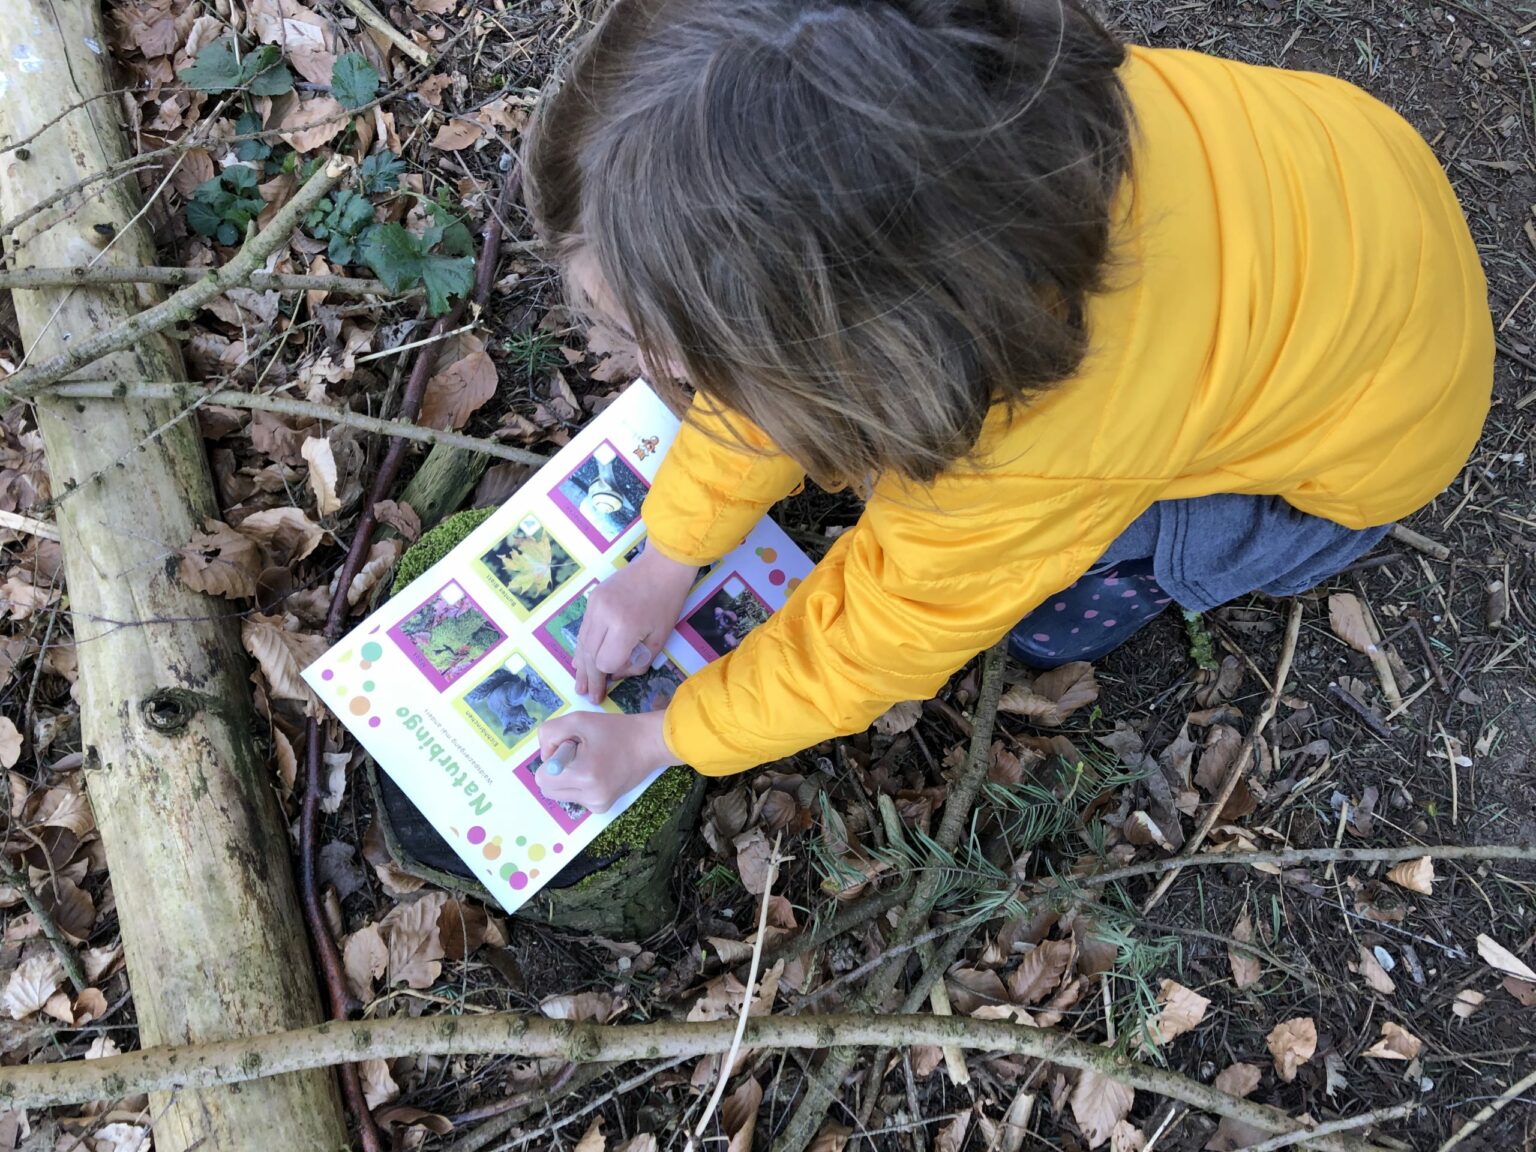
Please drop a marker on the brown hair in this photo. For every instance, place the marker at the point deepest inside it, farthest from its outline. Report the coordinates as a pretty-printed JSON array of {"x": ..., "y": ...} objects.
[{"x": 858, "y": 223}]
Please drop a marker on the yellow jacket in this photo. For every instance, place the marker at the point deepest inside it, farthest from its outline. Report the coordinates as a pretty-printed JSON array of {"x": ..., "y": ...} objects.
[{"x": 1299, "y": 311}]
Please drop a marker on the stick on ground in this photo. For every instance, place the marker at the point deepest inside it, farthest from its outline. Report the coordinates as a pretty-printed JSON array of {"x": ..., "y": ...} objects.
[
  {"x": 184, "y": 304},
  {"x": 241, "y": 1061}
]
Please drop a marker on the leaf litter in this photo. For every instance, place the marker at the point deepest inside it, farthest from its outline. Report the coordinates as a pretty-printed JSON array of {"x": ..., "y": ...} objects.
[{"x": 1128, "y": 775}]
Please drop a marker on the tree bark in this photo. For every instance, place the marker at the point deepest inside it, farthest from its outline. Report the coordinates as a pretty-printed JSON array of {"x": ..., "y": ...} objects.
[{"x": 195, "y": 840}]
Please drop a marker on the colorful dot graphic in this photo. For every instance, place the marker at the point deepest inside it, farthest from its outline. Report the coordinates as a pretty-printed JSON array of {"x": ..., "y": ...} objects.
[
  {"x": 767, "y": 555},
  {"x": 327, "y": 674},
  {"x": 373, "y": 721},
  {"x": 367, "y": 685},
  {"x": 492, "y": 851},
  {"x": 359, "y": 706},
  {"x": 518, "y": 880},
  {"x": 777, "y": 577},
  {"x": 536, "y": 852},
  {"x": 508, "y": 871},
  {"x": 557, "y": 848},
  {"x": 371, "y": 652},
  {"x": 792, "y": 585},
  {"x": 521, "y": 840},
  {"x": 475, "y": 835}
]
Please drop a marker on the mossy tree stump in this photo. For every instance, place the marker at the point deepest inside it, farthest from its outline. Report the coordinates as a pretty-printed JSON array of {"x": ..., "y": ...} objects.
[{"x": 619, "y": 886}]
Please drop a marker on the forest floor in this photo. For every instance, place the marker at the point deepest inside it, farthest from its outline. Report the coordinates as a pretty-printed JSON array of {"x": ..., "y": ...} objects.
[{"x": 1279, "y": 983}]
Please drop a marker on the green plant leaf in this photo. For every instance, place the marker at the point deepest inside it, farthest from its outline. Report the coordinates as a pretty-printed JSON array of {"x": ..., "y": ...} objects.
[
  {"x": 227, "y": 234},
  {"x": 263, "y": 72},
  {"x": 240, "y": 179},
  {"x": 251, "y": 151},
  {"x": 354, "y": 81},
  {"x": 380, "y": 172},
  {"x": 203, "y": 218},
  {"x": 402, "y": 261},
  {"x": 216, "y": 68}
]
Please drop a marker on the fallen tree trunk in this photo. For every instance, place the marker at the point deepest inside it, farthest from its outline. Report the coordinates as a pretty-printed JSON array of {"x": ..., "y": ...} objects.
[{"x": 195, "y": 840}]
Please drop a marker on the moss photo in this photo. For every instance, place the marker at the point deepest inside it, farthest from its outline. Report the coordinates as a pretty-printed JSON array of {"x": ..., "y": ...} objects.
[{"x": 447, "y": 635}]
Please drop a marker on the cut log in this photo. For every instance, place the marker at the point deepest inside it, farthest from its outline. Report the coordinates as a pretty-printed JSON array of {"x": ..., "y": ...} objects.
[{"x": 194, "y": 838}]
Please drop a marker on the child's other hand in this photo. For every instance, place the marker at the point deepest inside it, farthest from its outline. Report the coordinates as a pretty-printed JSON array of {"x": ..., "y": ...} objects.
[
  {"x": 629, "y": 617},
  {"x": 613, "y": 754}
]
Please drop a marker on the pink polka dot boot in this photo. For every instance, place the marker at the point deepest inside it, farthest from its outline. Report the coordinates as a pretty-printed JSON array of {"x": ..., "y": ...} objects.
[{"x": 1090, "y": 619}]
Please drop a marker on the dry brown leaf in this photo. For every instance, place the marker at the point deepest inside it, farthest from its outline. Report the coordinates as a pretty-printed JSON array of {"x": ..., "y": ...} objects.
[
  {"x": 64, "y": 806},
  {"x": 10, "y": 743},
  {"x": 1127, "y": 1138},
  {"x": 286, "y": 533},
  {"x": 1415, "y": 875},
  {"x": 99, "y": 962},
  {"x": 399, "y": 516},
  {"x": 1292, "y": 1044},
  {"x": 460, "y": 388},
  {"x": 365, "y": 957},
  {"x": 1140, "y": 829},
  {"x": 1040, "y": 971},
  {"x": 90, "y": 1005},
  {"x": 1246, "y": 968},
  {"x": 593, "y": 1140},
  {"x": 221, "y": 562},
  {"x": 971, "y": 988},
  {"x": 1098, "y": 1104},
  {"x": 926, "y": 1059},
  {"x": 1522, "y": 990},
  {"x": 71, "y": 907},
  {"x": 322, "y": 473},
  {"x": 833, "y": 1137},
  {"x": 731, "y": 952},
  {"x": 951, "y": 1137},
  {"x": 1396, "y": 1043},
  {"x": 457, "y": 134},
  {"x": 33, "y": 982},
  {"x": 1231, "y": 1135},
  {"x": 282, "y": 655},
  {"x": 1222, "y": 745},
  {"x": 1182, "y": 1010},
  {"x": 1467, "y": 1002},
  {"x": 1053, "y": 696},
  {"x": 899, "y": 718},
  {"x": 1373, "y": 973},
  {"x": 754, "y": 859},
  {"x": 1238, "y": 1079},
  {"x": 120, "y": 1137},
  {"x": 415, "y": 946},
  {"x": 379, "y": 1086},
  {"x": 596, "y": 1006},
  {"x": 305, "y": 39},
  {"x": 1346, "y": 615},
  {"x": 462, "y": 927},
  {"x": 738, "y": 1114},
  {"x": 310, "y": 124},
  {"x": 381, "y": 561},
  {"x": 1501, "y": 958}
]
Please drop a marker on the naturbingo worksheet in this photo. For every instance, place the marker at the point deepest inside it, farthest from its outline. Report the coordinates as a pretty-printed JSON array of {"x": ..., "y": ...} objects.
[{"x": 447, "y": 684}]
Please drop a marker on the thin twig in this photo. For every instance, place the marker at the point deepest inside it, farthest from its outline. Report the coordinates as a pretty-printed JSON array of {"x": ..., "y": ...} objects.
[
  {"x": 1372, "y": 721},
  {"x": 1346, "y": 1124},
  {"x": 365, "y": 13},
  {"x": 184, "y": 304},
  {"x": 854, "y": 915},
  {"x": 15, "y": 522},
  {"x": 1244, "y": 758},
  {"x": 1525, "y": 855},
  {"x": 31, "y": 278},
  {"x": 503, "y": 1033},
  {"x": 1419, "y": 542},
  {"x": 62, "y": 947},
  {"x": 193, "y": 396},
  {"x": 1506, "y": 1098},
  {"x": 746, "y": 997}
]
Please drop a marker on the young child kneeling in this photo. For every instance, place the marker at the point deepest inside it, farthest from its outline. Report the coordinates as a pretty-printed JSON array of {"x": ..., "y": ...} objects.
[{"x": 1092, "y": 329}]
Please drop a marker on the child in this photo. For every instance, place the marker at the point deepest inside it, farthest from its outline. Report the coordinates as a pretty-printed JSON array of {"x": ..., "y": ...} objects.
[{"x": 1092, "y": 330}]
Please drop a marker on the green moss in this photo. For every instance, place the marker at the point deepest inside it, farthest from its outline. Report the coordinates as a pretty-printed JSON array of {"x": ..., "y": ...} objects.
[
  {"x": 436, "y": 544},
  {"x": 634, "y": 829}
]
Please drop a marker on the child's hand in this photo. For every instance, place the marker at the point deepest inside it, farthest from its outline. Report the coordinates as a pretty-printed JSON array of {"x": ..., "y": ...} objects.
[
  {"x": 613, "y": 754},
  {"x": 629, "y": 617}
]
